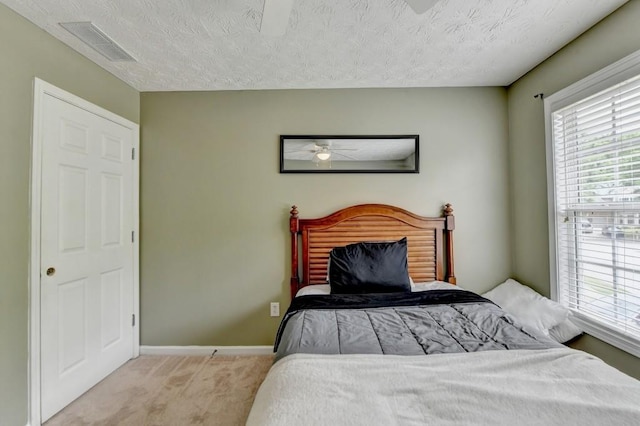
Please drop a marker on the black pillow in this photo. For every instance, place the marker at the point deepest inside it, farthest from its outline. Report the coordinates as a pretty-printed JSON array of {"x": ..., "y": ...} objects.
[{"x": 369, "y": 267}]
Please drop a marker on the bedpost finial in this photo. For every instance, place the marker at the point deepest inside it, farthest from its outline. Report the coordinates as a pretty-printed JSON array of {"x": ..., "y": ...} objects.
[
  {"x": 294, "y": 211},
  {"x": 448, "y": 210}
]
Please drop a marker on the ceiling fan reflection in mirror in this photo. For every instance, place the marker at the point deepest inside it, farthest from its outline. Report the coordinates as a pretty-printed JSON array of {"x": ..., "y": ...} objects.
[
  {"x": 320, "y": 152},
  {"x": 349, "y": 153},
  {"x": 275, "y": 14},
  {"x": 323, "y": 154}
]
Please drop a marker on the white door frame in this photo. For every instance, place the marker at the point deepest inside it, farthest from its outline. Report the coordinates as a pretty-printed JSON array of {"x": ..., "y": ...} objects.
[{"x": 40, "y": 89}]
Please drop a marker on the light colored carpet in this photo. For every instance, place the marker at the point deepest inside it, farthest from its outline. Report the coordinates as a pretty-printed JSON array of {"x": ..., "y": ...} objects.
[{"x": 171, "y": 390}]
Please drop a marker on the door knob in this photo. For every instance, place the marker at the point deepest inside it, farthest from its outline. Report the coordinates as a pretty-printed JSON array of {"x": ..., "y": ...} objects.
[{"x": 51, "y": 271}]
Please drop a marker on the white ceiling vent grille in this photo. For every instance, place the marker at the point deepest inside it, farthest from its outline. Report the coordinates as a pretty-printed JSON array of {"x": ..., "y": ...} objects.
[{"x": 97, "y": 40}]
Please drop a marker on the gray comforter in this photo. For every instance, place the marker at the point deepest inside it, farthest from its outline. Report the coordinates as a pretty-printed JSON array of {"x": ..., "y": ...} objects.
[{"x": 432, "y": 322}]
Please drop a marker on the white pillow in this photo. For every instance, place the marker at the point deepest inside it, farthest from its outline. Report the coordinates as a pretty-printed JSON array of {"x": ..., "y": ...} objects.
[
  {"x": 565, "y": 331},
  {"x": 315, "y": 289},
  {"x": 434, "y": 285},
  {"x": 529, "y": 307}
]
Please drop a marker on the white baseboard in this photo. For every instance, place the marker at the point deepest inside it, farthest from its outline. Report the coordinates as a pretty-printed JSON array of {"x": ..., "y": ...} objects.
[{"x": 206, "y": 350}]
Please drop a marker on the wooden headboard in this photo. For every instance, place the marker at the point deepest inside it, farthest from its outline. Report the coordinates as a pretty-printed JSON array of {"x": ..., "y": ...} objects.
[{"x": 429, "y": 240}]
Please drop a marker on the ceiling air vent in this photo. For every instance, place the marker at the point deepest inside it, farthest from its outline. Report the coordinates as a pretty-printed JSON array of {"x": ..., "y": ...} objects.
[{"x": 96, "y": 39}]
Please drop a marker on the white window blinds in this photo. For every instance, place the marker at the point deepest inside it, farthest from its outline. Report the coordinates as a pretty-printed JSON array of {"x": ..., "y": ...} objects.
[{"x": 596, "y": 166}]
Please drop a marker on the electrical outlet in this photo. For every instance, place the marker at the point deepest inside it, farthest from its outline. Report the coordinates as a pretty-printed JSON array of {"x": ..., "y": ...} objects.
[{"x": 275, "y": 309}]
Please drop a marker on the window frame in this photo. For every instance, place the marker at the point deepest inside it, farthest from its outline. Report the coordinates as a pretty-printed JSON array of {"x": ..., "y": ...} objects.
[{"x": 604, "y": 79}]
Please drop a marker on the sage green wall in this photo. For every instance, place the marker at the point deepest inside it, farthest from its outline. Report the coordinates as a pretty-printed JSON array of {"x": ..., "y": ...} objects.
[
  {"x": 27, "y": 52},
  {"x": 215, "y": 241},
  {"x": 612, "y": 39}
]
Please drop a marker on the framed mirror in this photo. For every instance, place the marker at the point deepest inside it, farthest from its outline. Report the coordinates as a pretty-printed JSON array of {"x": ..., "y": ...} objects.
[{"x": 349, "y": 154}]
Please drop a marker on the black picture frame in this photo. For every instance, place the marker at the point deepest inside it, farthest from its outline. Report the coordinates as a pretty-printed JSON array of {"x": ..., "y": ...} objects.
[{"x": 350, "y": 154}]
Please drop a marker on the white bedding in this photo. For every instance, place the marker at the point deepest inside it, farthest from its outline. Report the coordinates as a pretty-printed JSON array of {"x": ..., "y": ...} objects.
[{"x": 520, "y": 387}]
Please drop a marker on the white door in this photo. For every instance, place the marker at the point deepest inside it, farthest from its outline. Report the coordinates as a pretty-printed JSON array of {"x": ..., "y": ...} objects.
[{"x": 86, "y": 251}]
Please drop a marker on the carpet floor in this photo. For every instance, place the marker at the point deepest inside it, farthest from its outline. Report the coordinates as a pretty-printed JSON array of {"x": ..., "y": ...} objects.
[{"x": 171, "y": 390}]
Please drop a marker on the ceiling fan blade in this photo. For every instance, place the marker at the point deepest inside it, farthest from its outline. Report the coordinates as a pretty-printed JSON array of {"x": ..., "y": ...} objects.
[
  {"x": 275, "y": 17},
  {"x": 421, "y": 6},
  {"x": 346, "y": 156}
]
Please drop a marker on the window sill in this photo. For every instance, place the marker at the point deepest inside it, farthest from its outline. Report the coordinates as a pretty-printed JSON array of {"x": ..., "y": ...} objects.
[{"x": 613, "y": 337}]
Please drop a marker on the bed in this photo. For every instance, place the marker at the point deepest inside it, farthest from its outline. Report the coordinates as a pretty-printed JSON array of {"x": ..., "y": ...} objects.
[{"x": 379, "y": 333}]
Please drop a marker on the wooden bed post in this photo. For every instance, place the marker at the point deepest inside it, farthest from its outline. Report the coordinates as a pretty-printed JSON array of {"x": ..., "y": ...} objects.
[
  {"x": 294, "y": 227},
  {"x": 450, "y": 225}
]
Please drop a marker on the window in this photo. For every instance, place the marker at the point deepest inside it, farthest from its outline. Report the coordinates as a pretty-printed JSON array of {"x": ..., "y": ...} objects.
[{"x": 593, "y": 147}]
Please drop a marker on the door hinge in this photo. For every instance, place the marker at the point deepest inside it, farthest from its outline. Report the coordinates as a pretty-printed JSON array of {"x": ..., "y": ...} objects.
[
  {"x": 133, "y": 236},
  {"x": 133, "y": 320},
  {"x": 133, "y": 153}
]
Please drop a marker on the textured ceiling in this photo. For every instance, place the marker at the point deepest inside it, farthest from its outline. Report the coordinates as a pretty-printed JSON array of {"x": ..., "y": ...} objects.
[{"x": 216, "y": 44}]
